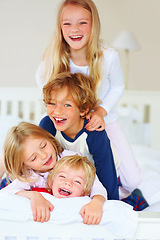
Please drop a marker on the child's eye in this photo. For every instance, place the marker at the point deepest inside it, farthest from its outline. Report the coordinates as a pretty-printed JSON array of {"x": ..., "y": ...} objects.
[
  {"x": 76, "y": 181},
  {"x": 66, "y": 24},
  {"x": 83, "y": 22},
  {"x": 67, "y": 105},
  {"x": 33, "y": 158},
  {"x": 51, "y": 104},
  {"x": 43, "y": 145},
  {"x": 62, "y": 176}
]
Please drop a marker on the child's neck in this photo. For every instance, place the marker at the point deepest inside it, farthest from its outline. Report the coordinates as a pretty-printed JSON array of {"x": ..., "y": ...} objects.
[
  {"x": 72, "y": 132},
  {"x": 79, "y": 58}
]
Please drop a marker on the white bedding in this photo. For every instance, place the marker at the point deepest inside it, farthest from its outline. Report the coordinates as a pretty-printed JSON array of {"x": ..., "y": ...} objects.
[
  {"x": 149, "y": 161},
  {"x": 118, "y": 217}
]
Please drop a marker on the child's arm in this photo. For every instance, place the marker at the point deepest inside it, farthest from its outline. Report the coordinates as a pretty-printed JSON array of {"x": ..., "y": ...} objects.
[
  {"x": 92, "y": 212},
  {"x": 41, "y": 207},
  {"x": 96, "y": 120}
]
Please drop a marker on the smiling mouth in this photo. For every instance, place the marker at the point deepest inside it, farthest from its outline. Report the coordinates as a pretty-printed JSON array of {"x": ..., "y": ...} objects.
[
  {"x": 60, "y": 120},
  {"x": 76, "y": 38},
  {"x": 64, "y": 192},
  {"x": 49, "y": 161}
]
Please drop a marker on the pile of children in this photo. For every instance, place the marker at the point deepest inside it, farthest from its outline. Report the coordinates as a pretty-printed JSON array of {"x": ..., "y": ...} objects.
[{"x": 82, "y": 82}]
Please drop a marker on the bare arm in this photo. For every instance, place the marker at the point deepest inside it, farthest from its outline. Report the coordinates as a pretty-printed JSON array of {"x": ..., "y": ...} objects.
[
  {"x": 92, "y": 211},
  {"x": 41, "y": 207}
]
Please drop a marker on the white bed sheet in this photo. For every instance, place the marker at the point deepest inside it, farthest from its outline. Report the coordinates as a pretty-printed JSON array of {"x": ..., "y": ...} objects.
[
  {"x": 118, "y": 217},
  {"x": 149, "y": 161}
]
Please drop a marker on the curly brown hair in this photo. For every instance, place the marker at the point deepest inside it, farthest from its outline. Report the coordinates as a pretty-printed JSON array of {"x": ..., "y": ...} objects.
[{"x": 80, "y": 86}]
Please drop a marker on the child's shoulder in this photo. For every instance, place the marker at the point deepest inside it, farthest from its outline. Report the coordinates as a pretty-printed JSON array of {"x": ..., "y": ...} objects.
[
  {"x": 109, "y": 51},
  {"x": 47, "y": 124}
]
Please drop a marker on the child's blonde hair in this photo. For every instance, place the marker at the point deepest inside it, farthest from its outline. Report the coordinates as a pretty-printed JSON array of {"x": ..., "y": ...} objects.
[
  {"x": 79, "y": 86},
  {"x": 74, "y": 162},
  {"x": 59, "y": 49},
  {"x": 15, "y": 143}
]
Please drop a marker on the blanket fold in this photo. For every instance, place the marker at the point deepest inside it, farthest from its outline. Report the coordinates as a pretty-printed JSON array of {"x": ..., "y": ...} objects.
[{"x": 118, "y": 217}]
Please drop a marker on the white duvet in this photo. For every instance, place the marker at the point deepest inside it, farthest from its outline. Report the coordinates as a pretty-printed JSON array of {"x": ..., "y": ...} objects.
[
  {"x": 118, "y": 217},
  {"x": 149, "y": 161}
]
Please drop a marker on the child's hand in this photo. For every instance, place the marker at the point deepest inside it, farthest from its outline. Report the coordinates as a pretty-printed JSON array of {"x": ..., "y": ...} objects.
[
  {"x": 41, "y": 208},
  {"x": 95, "y": 119},
  {"x": 92, "y": 212}
]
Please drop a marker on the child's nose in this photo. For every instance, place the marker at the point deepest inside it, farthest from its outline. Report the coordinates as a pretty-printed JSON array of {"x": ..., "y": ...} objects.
[
  {"x": 58, "y": 110},
  {"x": 75, "y": 28},
  {"x": 43, "y": 154},
  {"x": 68, "y": 182}
]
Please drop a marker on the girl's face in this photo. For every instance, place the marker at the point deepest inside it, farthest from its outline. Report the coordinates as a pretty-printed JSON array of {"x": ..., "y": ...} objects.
[
  {"x": 76, "y": 26},
  {"x": 68, "y": 183},
  {"x": 39, "y": 154}
]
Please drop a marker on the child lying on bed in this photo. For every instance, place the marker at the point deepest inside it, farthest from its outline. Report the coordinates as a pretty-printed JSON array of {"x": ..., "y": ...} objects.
[
  {"x": 73, "y": 176},
  {"x": 30, "y": 153}
]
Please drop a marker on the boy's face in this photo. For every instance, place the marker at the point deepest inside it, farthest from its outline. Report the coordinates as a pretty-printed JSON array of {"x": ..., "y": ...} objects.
[
  {"x": 64, "y": 113},
  {"x": 68, "y": 183}
]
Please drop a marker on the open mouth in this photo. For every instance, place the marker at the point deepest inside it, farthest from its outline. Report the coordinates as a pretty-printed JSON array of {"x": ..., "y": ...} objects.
[
  {"x": 60, "y": 120},
  {"x": 64, "y": 192},
  {"x": 76, "y": 38},
  {"x": 49, "y": 161}
]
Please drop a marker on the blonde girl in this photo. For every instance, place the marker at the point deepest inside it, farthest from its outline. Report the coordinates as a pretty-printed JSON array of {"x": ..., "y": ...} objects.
[
  {"x": 30, "y": 153},
  {"x": 76, "y": 47}
]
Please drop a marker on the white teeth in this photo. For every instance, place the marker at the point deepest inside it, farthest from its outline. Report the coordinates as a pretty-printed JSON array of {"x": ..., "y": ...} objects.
[
  {"x": 64, "y": 190},
  {"x": 59, "y": 119},
  {"x": 76, "y": 36}
]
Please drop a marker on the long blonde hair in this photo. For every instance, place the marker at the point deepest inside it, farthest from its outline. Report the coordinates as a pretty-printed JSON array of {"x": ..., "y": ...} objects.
[
  {"x": 74, "y": 162},
  {"x": 57, "y": 54},
  {"x": 15, "y": 143}
]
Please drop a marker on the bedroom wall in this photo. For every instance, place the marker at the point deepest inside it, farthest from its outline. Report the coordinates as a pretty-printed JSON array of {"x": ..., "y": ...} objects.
[{"x": 26, "y": 27}]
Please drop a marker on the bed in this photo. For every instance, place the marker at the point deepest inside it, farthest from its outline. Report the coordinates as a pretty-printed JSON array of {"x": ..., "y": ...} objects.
[{"x": 138, "y": 113}]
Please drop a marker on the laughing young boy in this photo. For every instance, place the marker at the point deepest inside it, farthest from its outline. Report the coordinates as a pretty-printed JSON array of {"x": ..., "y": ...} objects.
[{"x": 69, "y": 98}]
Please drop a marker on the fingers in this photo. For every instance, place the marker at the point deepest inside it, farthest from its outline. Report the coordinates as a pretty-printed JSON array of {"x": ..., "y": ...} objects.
[
  {"x": 91, "y": 220},
  {"x": 88, "y": 218},
  {"x": 42, "y": 215},
  {"x": 51, "y": 207},
  {"x": 95, "y": 126},
  {"x": 34, "y": 212},
  {"x": 101, "y": 128},
  {"x": 95, "y": 123}
]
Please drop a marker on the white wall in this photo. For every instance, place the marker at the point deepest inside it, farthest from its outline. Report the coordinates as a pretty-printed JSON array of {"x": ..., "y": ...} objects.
[{"x": 26, "y": 27}]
